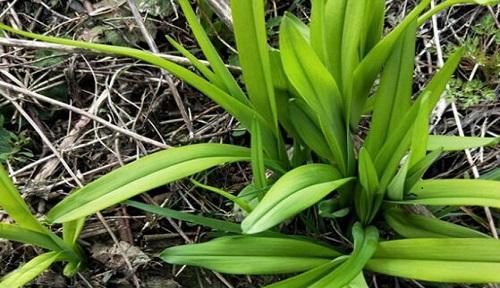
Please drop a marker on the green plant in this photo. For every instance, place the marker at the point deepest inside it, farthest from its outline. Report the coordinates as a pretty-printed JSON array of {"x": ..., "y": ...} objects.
[
  {"x": 317, "y": 90},
  {"x": 28, "y": 229},
  {"x": 470, "y": 93},
  {"x": 11, "y": 144}
]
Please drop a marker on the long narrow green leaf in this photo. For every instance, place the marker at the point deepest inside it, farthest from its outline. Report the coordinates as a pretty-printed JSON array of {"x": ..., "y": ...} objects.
[
  {"x": 309, "y": 131},
  {"x": 393, "y": 97},
  {"x": 396, "y": 189},
  {"x": 445, "y": 4},
  {"x": 28, "y": 228},
  {"x": 334, "y": 28},
  {"x": 72, "y": 230},
  {"x": 369, "y": 181},
  {"x": 294, "y": 192},
  {"x": 417, "y": 226},
  {"x": 29, "y": 271},
  {"x": 213, "y": 57},
  {"x": 251, "y": 255},
  {"x": 456, "y": 192},
  {"x": 420, "y": 132},
  {"x": 374, "y": 28},
  {"x": 316, "y": 87},
  {"x": 317, "y": 27},
  {"x": 457, "y": 143},
  {"x": 257, "y": 156},
  {"x": 204, "y": 70},
  {"x": 390, "y": 155},
  {"x": 367, "y": 71},
  {"x": 251, "y": 41},
  {"x": 452, "y": 260},
  {"x": 438, "y": 83},
  {"x": 418, "y": 170},
  {"x": 216, "y": 224},
  {"x": 19, "y": 234},
  {"x": 352, "y": 267},
  {"x": 309, "y": 277},
  {"x": 240, "y": 202},
  {"x": 350, "y": 55},
  {"x": 146, "y": 173},
  {"x": 367, "y": 173},
  {"x": 243, "y": 112},
  {"x": 358, "y": 282},
  {"x": 14, "y": 205}
]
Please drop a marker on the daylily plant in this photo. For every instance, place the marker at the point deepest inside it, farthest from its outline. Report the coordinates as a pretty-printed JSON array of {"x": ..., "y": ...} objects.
[{"x": 302, "y": 103}]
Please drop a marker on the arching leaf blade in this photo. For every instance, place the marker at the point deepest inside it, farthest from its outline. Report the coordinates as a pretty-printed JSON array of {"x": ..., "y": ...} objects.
[
  {"x": 294, "y": 192},
  {"x": 251, "y": 255},
  {"x": 146, "y": 173}
]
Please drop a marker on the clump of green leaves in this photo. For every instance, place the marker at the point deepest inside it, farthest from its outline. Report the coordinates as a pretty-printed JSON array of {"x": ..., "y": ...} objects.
[
  {"x": 315, "y": 86},
  {"x": 30, "y": 230}
]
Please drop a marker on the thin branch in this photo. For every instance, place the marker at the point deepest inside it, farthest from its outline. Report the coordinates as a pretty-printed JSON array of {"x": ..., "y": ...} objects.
[{"x": 82, "y": 112}]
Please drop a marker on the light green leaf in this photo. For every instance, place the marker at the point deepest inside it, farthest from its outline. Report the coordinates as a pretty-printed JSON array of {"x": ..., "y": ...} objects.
[
  {"x": 411, "y": 225},
  {"x": 393, "y": 97},
  {"x": 251, "y": 255},
  {"x": 19, "y": 234},
  {"x": 316, "y": 87},
  {"x": 257, "y": 156},
  {"x": 445, "y": 4},
  {"x": 213, "y": 57},
  {"x": 294, "y": 192},
  {"x": 309, "y": 131},
  {"x": 71, "y": 268},
  {"x": 243, "y": 112},
  {"x": 457, "y": 143},
  {"x": 358, "y": 282},
  {"x": 14, "y": 205},
  {"x": 366, "y": 72},
  {"x": 389, "y": 156},
  {"x": 366, "y": 195},
  {"x": 418, "y": 170},
  {"x": 452, "y": 260},
  {"x": 365, "y": 244},
  {"x": 251, "y": 41},
  {"x": 240, "y": 202},
  {"x": 29, "y": 271},
  {"x": 317, "y": 28},
  {"x": 72, "y": 230},
  {"x": 142, "y": 175},
  {"x": 420, "y": 132},
  {"x": 334, "y": 28},
  {"x": 456, "y": 192},
  {"x": 374, "y": 26},
  {"x": 28, "y": 228},
  {"x": 486, "y": 2},
  {"x": 204, "y": 70},
  {"x": 309, "y": 277},
  {"x": 367, "y": 173},
  {"x": 438, "y": 83},
  {"x": 350, "y": 56},
  {"x": 396, "y": 189}
]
